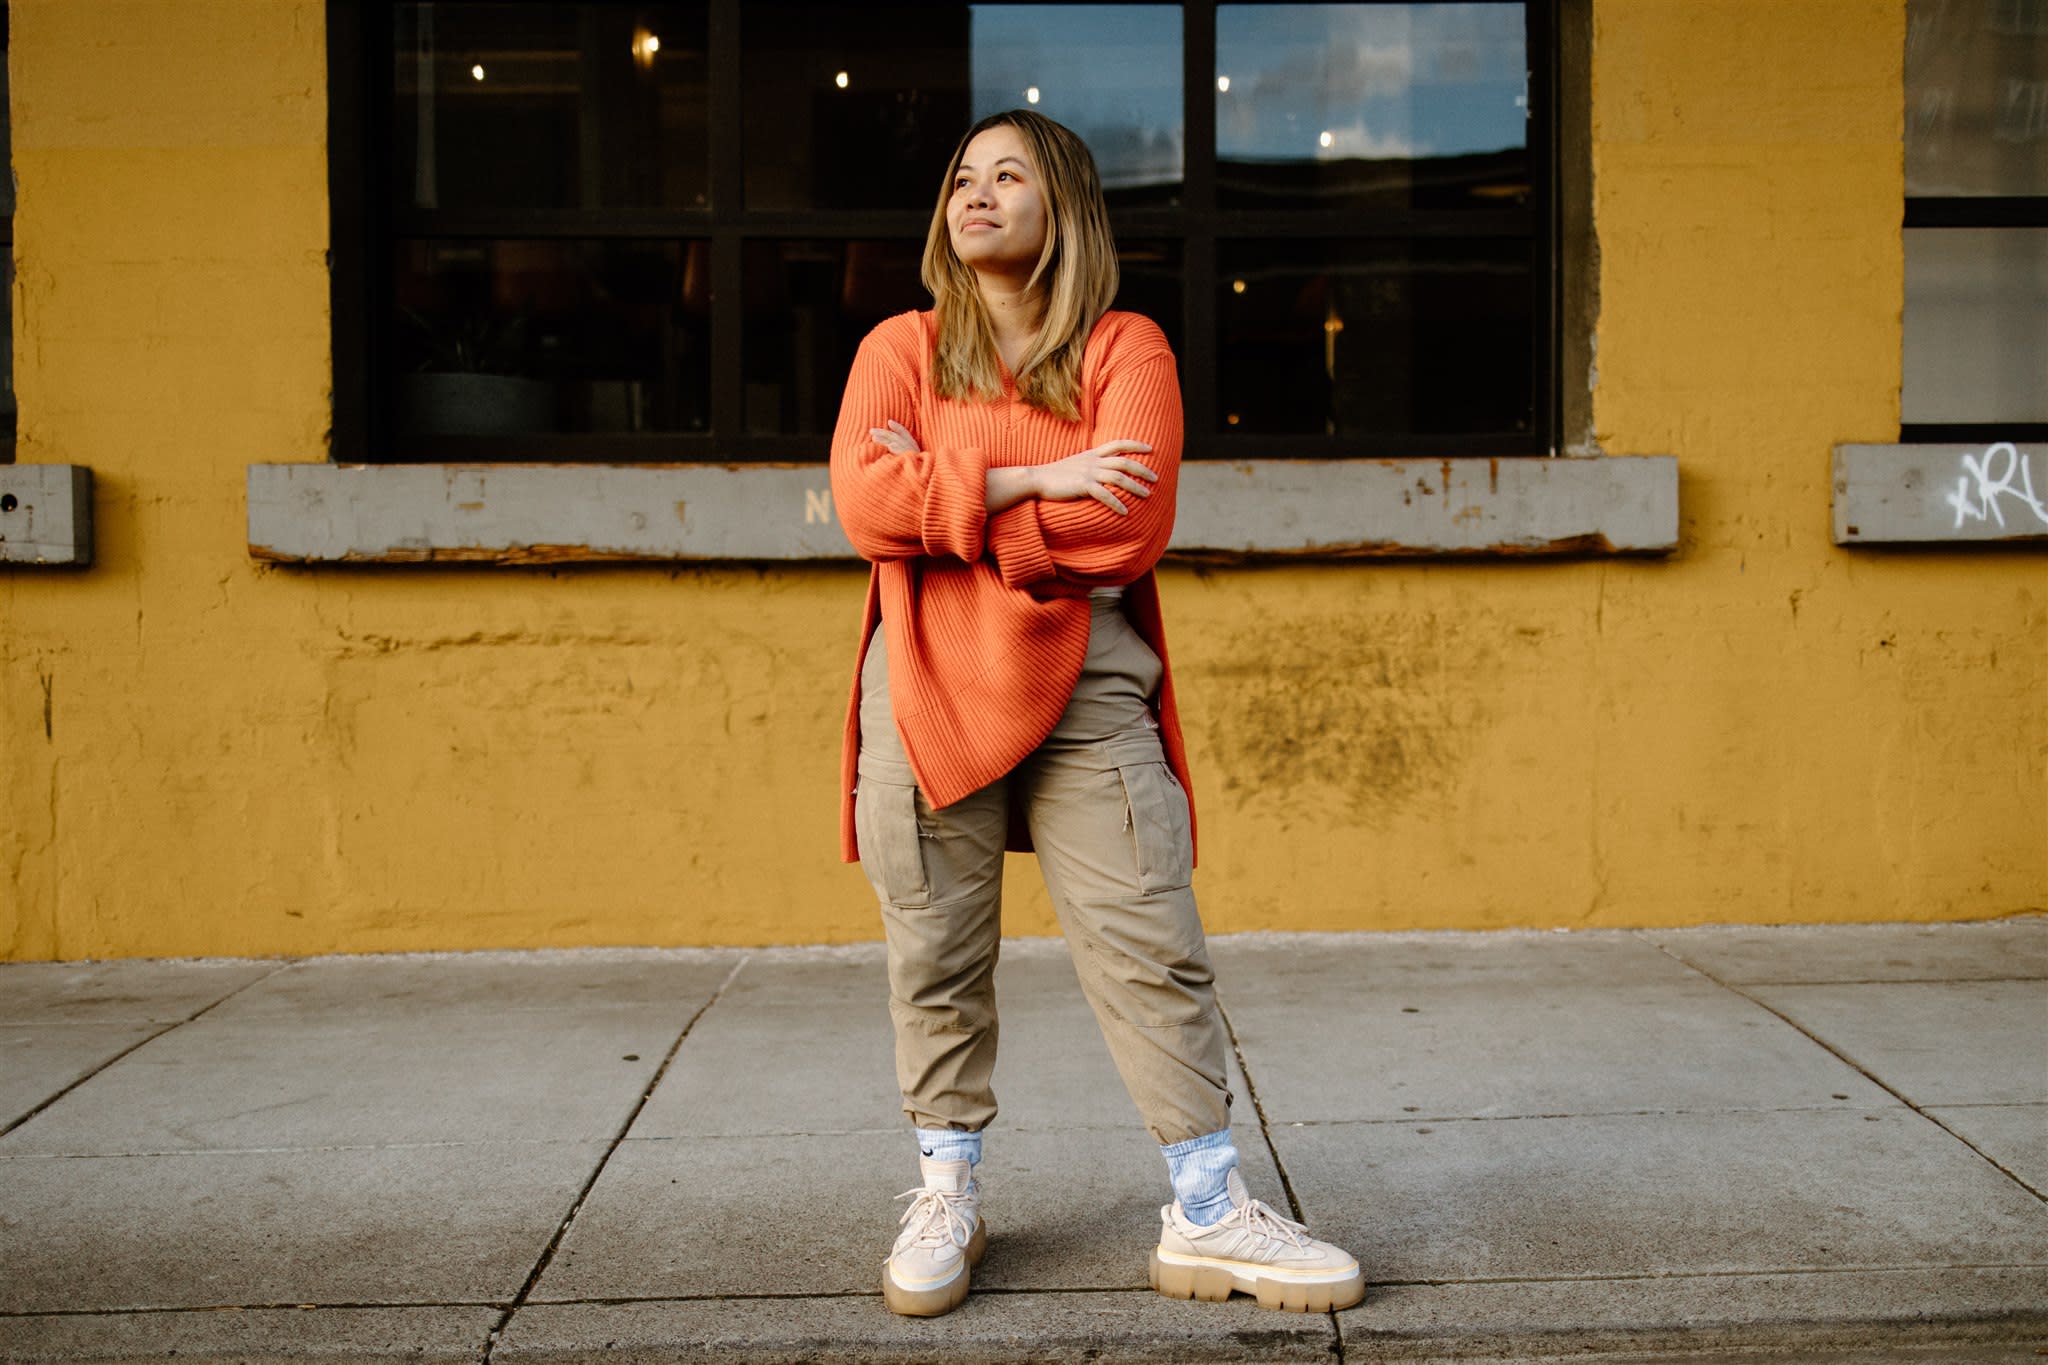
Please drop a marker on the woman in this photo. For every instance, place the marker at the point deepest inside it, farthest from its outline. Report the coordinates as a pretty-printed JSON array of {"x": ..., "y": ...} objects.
[{"x": 1008, "y": 461}]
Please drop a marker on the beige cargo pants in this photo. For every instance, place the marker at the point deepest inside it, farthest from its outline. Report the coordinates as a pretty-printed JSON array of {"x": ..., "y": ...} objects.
[{"x": 1110, "y": 826}]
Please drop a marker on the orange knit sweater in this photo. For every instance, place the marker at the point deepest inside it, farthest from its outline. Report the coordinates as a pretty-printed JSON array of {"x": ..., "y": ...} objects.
[{"x": 986, "y": 617}]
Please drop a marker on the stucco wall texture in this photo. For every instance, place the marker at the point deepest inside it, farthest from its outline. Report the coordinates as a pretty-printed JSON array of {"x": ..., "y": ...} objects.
[{"x": 208, "y": 755}]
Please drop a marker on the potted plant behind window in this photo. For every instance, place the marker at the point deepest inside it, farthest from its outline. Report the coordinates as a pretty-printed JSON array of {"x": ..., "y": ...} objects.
[{"x": 472, "y": 379}]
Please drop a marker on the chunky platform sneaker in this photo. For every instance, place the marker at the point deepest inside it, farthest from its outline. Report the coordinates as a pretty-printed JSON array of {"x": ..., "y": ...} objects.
[
  {"x": 1253, "y": 1250},
  {"x": 942, "y": 1241}
]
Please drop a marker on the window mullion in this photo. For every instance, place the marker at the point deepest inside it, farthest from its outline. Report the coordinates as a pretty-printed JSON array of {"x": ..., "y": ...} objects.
[
  {"x": 357, "y": 231},
  {"x": 1976, "y": 211},
  {"x": 1198, "y": 242},
  {"x": 1545, "y": 266},
  {"x": 728, "y": 185}
]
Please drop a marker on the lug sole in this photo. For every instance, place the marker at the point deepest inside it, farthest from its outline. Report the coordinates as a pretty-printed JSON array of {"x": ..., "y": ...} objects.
[
  {"x": 929, "y": 1303},
  {"x": 1214, "y": 1284}
]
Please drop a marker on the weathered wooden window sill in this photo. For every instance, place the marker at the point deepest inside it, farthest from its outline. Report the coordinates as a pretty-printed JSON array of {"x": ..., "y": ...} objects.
[
  {"x": 1941, "y": 494},
  {"x": 46, "y": 515},
  {"x": 1228, "y": 512}
]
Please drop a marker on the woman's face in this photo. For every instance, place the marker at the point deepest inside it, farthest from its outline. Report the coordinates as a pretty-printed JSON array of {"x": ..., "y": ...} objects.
[{"x": 996, "y": 216}]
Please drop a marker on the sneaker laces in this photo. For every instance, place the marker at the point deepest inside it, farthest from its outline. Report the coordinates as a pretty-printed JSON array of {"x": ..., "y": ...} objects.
[
  {"x": 1261, "y": 1218},
  {"x": 942, "y": 1215}
]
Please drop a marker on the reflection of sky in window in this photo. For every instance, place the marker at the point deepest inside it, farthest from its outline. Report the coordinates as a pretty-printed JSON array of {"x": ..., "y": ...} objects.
[
  {"x": 1109, "y": 72},
  {"x": 1380, "y": 80}
]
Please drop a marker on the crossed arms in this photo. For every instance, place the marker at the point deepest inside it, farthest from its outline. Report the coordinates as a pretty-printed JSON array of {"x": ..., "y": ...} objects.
[{"x": 1091, "y": 518}]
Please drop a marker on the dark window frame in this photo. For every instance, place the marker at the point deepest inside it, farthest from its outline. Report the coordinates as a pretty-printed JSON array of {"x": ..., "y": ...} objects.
[{"x": 365, "y": 227}]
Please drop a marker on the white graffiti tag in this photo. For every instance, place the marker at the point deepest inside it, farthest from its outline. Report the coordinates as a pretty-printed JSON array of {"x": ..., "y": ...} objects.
[{"x": 1984, "y": 482}]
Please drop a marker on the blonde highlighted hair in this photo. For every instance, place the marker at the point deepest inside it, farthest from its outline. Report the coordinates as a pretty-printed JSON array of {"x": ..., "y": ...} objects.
[{"x": 1076, "y": 276}]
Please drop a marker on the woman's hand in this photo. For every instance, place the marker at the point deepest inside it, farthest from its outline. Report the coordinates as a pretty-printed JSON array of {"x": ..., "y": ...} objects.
[
  {"x": 896, "y": 437},
  {"x": 1093, "y": 472}
]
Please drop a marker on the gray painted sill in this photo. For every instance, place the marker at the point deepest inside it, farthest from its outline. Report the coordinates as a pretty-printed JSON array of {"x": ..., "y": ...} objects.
[
  {"x": 46, "y": 515},
  {"x": 319, "y": 513},
  {"x": 1941, "y": 494}
]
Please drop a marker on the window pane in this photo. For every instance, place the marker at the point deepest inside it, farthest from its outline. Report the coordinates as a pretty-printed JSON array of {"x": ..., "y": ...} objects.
[
  {"x": 859, "y": 106},
  {"x": 808, "y": 304},
  {"x": 1374, "y": 338},
  {"x": 1112, "y": 73},
  {"x": 1976, "y": 97},
  {"x": 1149, "y": 281},
  {"x": 549, "y": 106},
  {"x": 1976, "y": 324},
  {"x": 881, "y": 139},
  {"x": 1379, "y": 106},
  {"x": 515, "y": 335}
]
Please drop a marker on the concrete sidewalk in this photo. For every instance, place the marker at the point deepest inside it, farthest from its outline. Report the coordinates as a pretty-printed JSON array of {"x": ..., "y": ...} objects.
[{"x": 1730, "y": 1144}]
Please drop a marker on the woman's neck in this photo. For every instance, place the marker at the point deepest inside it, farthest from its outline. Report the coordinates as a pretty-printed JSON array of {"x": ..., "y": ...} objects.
[{"x": 1014, "y": 313}]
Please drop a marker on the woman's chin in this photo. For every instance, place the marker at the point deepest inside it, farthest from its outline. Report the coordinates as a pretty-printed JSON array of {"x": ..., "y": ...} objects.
[{"x": 986, "y": 254}]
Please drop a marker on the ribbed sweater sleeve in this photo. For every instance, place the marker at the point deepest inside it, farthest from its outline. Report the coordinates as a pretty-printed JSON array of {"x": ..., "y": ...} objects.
[
  {"x": 1137, "y": 397},
  {"x": 930, "y": 502}
]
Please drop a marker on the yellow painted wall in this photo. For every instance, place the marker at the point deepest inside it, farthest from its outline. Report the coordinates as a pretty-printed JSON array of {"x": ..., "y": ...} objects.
[{"x": 206, "y": 755}]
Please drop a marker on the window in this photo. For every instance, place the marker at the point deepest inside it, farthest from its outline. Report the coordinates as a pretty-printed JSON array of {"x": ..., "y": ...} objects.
[
  {"x": 1976, "y": 221},
  {"x": 657, "y": 232}
]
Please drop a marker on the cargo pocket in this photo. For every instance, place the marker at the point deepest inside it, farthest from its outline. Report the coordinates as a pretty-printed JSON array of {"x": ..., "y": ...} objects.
[
  {"x": 1158, "y": 809},
  {"x": 885, "y": 821}
]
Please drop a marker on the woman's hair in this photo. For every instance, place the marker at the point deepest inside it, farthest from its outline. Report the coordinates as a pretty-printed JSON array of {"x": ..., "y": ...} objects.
[{"x": 1076, "y": 276}]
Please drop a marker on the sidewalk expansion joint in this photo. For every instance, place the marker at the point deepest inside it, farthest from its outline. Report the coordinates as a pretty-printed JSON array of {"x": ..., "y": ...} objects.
[
  {"x": 1732, "y": 1273},
  {"x": 1895, "y": 980},
  {"x": 1860, "y": 1069},
  {"x": 717, "y": 1135},
  {"x": 174, "y": 1025},
  {"x": 1266, "y": 1134},
  {"x": 547, "y": 1254},
  {"x": 794, "y": 1296},
  {"x": 1681, "y": 1111},
  {"x": 734, "y": 1296},
  {"x": 419, "y": 1145},
  {"x": 138, "y": 1310}
]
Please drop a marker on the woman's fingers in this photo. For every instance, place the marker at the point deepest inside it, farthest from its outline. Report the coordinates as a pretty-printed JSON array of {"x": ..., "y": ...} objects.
[
  {"x": 1099, "y": 472},
  {"x": 1130, "y": 466},
  {"x": 896, "y": 437},
  {"x": 1106, "y": 479},
  {"x": 1119, "y": 472},
  {"x": 1108, "y": 499},
  {"x": 1117, "y": 479}
]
